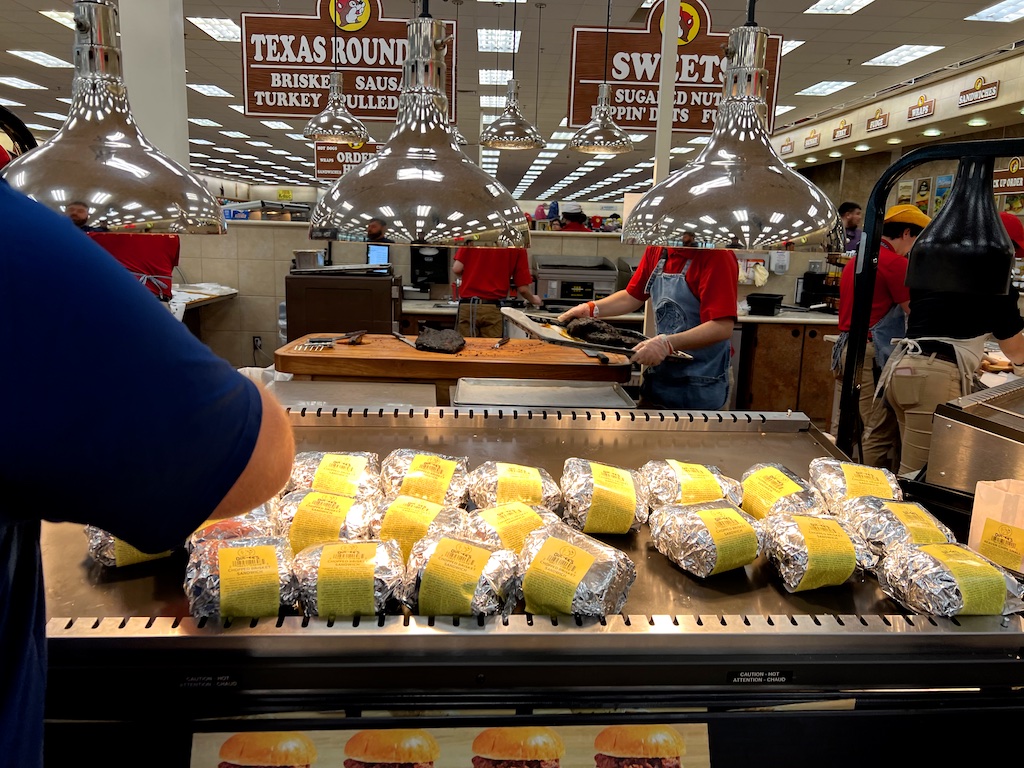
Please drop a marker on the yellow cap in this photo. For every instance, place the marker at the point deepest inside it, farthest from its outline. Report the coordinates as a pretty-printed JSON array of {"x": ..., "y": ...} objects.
[{"x": 907, "y": 214}]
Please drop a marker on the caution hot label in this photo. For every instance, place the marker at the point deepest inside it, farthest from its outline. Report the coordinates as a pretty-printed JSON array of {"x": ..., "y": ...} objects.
[
  {"x": 340, "y": 474},
  {"x": 320, "y": 518},
  {"x": 980, "y": 583},
  {"x": 697, "y": 483},
  {"x": 428, "y": 478},
  {"x": 866, "y": 481},
  {"x": 550, "y": 582},
  {"x": 519, "y": 483},
  {"x": 613, "y": 506},
  {"x": 450, "y": 578},
  {"x": 1003, "y": 543},
  {"x": 249, "y": 582},
  {"x": 919, "y": 524},
  {"x": 735, "y": 539},
  {"x": 406, "y": 521},
  {"x": 765, "y": 487},
  {"x": 513, "y": 522},
  {"x": 126, "y": 554},
  {"x": 831, "y": 557},
  {"x": 344, "y": 585}
]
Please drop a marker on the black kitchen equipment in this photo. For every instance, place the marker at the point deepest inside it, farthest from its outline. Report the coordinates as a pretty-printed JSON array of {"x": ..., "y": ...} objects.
[{"x": 764, "y": 303}]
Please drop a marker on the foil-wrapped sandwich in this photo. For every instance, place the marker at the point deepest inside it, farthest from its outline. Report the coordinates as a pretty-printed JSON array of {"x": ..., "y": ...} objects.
[
  {"x": 310, "y": 517},
  {"x": 948, "y": 580},
  {"x": 772, "y": 488},
  {"x": 600, "y": 498},
  {"x": 355, "y": 474},
  {"x": 408, "y": 519},
  {"x": 453, "y": 576},
  {"x": 884, "y": 523},
  {"x": 676, "y": 482},
  {"x": 258, "y": 522},
  {"x": 494, "y": 483},
  {"x": 111, "y": 552},
  {"x": 507, "y": 526},
  {"x": 812, "y": 551},
  {"x": 563, "y": 571},
  {"x": 249, "y": 578},
  {"x": 706, "y": 539},
  {"x": 432, "y": 477},
  {"x": 348, "y": 578},
  {"x": 841, "y": 480}
]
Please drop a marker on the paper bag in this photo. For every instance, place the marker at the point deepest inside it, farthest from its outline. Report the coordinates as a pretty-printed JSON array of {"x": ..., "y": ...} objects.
[{"x": 997, "y": 523}]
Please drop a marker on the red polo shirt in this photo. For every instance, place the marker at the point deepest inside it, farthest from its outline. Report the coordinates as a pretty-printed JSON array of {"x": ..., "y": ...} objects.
[
  {"x": 889, "y": 286},
  {"x": 486, "y": 271},
  {"x": 713, "y": 278}
]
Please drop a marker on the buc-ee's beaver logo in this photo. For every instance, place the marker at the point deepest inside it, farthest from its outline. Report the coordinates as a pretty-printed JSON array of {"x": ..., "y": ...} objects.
[
  {"x": 689, "y": 23},
  {"x": 350, "y": 15}
]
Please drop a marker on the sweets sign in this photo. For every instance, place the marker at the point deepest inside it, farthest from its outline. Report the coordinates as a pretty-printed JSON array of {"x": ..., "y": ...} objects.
[
  {"x": 288, "y": 60},
  {"x": 634, "y": 69}
]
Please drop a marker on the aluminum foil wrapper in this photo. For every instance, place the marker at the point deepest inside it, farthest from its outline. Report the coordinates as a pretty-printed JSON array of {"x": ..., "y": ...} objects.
[
  {"x": 664, "y": 485},
  {"x": 885, "y": 523},
  {"x": 496, "y": 584},
  {"x": 483, "y": 489},
  {"x": 258, "y": 522},
  {"x": 683, "y": 536},
  {"x": 787, "y": 548},
  {"x": 449, "y": 521},
  {"x": 922, "y": 583},
  {"x": 395, "y": 468},
  {"x": 202, "y": 574},
  {"x": 841, "y": 480},
  {"x": 306, "y": 464},
  {"x": 357, "y": 521},
  {"x": 111, "y": 552},
  {"x": 578, "y": 497},
  {"x": 388, "y": 572},
  {"x": 760, "y": 497},
  {"x": 476, "y": 527},
  {"x": 603, "y": 588}
]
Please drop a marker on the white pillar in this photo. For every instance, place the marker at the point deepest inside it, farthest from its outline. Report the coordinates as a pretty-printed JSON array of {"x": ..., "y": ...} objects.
[
  {"x": 153, "y": 44},
  {"x": 666, "y": 90}
]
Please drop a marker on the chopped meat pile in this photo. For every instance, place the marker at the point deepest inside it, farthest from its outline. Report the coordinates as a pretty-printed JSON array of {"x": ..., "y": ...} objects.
[
  {"x": 360, "y": 764},
  {"x": 600, "y": 332},
  {"x": 433, "y": 340},
  {"x": 485, "y": 762},
  {"x": 607, "y": 761}
]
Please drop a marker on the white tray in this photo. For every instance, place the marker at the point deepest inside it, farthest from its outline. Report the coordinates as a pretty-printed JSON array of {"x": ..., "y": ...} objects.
[{"x": 539, "y": 393}]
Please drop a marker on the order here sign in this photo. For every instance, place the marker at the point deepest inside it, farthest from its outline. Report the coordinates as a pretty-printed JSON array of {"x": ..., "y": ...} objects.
[{"x": 335, "y": 160}]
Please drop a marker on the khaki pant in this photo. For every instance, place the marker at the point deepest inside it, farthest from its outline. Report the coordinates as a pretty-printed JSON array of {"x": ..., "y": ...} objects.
[
  {"x": 880, "y": 434},
  {"x": 481, "y": 320},
  {"x": 916, "y": 387}
]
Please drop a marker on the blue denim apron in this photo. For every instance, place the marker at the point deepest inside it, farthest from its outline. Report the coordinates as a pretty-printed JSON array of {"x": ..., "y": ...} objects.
[
  {"x": 887, "y": 331},
  {"x": 701, "y": 384}
]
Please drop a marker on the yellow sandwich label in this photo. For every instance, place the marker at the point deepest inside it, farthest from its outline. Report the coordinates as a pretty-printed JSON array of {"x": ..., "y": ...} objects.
[
  {"x": 918, "y": 522},
  {"x": 831, "y": 557},
  {"x": 126, "y": 554},
  {"x": 697, "y": 483},
  {"x": 513, "y": 522},
  {"x": 765, "y": 487},
  {"x": 519, "y": 483},
  {"x": 428, "y": 478},
  {"x": 407, "y": 520},
  {"x": 450, "y": 578},
  {"x": 1003, "y": 544},
  {"x": 980, "y": 583},
  {"x": 339, "y": 473},
  {"x": 550, "y": 582},
  {"x": 320, "y": 518},
  {"x": 249, "y": 581},
  {"x": 344, "y": 581},
  {"x": 865, "y": 481},
  {"x": 613, "y": 506},
  {"x": 735, "y": 538}
]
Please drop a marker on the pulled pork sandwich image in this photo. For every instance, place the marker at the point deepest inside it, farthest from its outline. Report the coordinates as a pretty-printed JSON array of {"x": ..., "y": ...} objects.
[
  {"x": 638, "y": 746},
  {"x": 394, "y": 748},
  {"x": 279, "y": 749},
  {"x": 520, "y": 747}
]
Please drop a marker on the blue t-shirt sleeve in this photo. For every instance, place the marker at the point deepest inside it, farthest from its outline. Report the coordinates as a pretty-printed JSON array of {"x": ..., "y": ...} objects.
[{"x": 114, "y": 414}]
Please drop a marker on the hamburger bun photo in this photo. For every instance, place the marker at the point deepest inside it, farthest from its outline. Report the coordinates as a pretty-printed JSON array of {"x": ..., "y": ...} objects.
[
  {"x": 519, "y": 747},
  {"x": 638, "y": 746},
  {"x": 280, "y": 749},
  {"x": 394, "y": 748}
]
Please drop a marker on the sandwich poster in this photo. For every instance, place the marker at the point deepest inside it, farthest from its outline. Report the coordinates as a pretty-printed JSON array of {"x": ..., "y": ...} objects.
[
  {"x": 571, "y": 746},
  {"x": 905, "y": 193},
  {"x": 942, "y": 186},
  {"x": 923, "y": 194}
]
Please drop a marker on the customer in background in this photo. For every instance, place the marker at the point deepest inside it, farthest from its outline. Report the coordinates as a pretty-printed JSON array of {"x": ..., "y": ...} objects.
[
  {"x": 487, "y": 274},
  {"x": 880, "y": 431},
  {"x": 694, "y": 295},
  {"x": 375, "y": 231},
  {"x": 228, "y": 446},
  {"x": 851, "y": 215},
  {"x": 945, "y": 344},
  {"x": 573, "y": 218},
  {"x": 78, "y": 212}
]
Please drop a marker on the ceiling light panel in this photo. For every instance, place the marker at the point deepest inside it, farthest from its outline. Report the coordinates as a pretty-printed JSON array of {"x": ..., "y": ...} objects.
[
  {"x": 495, "y": 76},
  {"x": 783, "y": 109},
  {"x": 65, "y": 18},
  {"x": 43, "y": 59},
  {"x": 208, "y": 90},
  {"x": 204, "y": 122},
  {"x": 224, "y": 30},
  {"x": 825, "y": 88},
  {"x": 277, "y": 125},
  {"x": 492, "y": 101},
  {"x": 234, "y": 134},
  {"x": 25, "y": 85},
  {"x": 843, "y": 7},
  {"x": 791, "y": 45},
  {"x": 497, "y": 41},
  {"x": 901, "y": 55},
  {"x": 39, "y": 127},
  {"x": 10, "y": 103},
  {"x": 1005, "y": 12}
]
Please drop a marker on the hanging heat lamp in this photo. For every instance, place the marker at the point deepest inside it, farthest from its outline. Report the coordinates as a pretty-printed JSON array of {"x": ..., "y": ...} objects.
[
  {"x": 511, "y": 129},
  {"x": 420, "y": 181},
  {"x": 461, "y": 140},
  {"x": 738, "y": 189},
  {"x": 100, "y": 157},
  {"x": 601, "y": 135},
  {"x": 336, "y": 124}
]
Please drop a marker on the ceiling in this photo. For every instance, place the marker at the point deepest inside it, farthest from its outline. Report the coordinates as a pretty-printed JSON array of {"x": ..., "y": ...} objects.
[{"x": 836, "y": 47}]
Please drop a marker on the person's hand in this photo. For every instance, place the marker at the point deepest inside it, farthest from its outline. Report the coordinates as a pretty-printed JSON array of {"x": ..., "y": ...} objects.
[
  {"x": 653, "y": 351},
  {"x": 580, "y": 310}
]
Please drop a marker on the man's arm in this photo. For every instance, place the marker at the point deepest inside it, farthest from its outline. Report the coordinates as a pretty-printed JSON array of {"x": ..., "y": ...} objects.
[
  {"x": 1013, "y": 348},
  {"x": 654, "y": 351},
  {"x": 529, "y": 295},
  {"x": 619, "y": 303},
  {"x": 457, "y": 267}
]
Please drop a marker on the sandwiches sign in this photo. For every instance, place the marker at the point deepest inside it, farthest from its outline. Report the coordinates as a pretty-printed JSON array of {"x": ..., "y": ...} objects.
[
  {"x": 1009, "y": 180},
  {"x": 879, "y": 122},
  {"x": 288, "y": 60},
  {"x": 633, "y": 70},
  {"x": 980, "y": 92},
  {"x": 335, "y": 160},
  {"x": 925, "y": 107}
]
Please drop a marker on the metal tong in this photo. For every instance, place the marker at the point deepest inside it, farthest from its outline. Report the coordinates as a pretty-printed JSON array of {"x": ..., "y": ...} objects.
[{"x": 322, "y": 343}]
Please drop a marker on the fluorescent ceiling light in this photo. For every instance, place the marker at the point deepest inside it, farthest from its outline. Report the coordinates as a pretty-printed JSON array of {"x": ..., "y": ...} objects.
[
  {"x": 25, "y": 85},
  {"x": 259, "y": 144},
  {"x": 680, "y": 150},
  {"x": 204, "y": 142},
  {"x": 825, "y": 87},
  {"x": 845, "y": 7},
  {"x": 227, "y": 150},
  {"x": 10, "y": 103},
  {"x": 294, "y": 159},
  {"x": 43, "y": 59},
  {"x": 636, "y": 137},
  {"x": 495, "y": 76},
  {"x": 247, "y": 157},
  {"x": 65, "y": 101},
  {"x": 40, "y": 127},
  {"x": 901, "y": 55},
  {"x": 278, "y": 152},
  {"x": 205, "y": 122},
  {"x": 783, "y": 109},
  {"x": 237, "y": 107},
  {"x": 234, "y": 134},
  {"x": 1009, "y": 10},
  {"x": 224, "y": 30},
  {"x": 699, "y": 140},
  {"x": 488, "y": 119},
  {"x": 555, "y": 145},
  {"x": 296, "y": 136},
  {"x": 65, "y": 18},
  {"x": 497, "y": 41},
  {"x": 548, "y": 154},
  {"x": 53, "y": 116},
  {"x": 492, "y": 101},
  {"x": 791, "y": 45},
  {"x": 276, "y": 124},
  {"x": 208, "y": 90}
]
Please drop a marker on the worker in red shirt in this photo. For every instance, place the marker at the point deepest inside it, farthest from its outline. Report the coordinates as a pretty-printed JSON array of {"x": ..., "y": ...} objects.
[
  {"x": 573, "y": 218},
  {"x": 694, "y": 295},
  {"x": 880, "y": 434},
  {"x": 487, "y": 274}
]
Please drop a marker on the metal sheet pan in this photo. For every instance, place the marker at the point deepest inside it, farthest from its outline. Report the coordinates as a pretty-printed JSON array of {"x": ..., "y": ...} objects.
[{"x": 533, "y": 393}]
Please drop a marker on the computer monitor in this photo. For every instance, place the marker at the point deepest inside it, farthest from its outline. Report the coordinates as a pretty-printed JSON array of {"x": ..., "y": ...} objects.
[{"x": 377, "y": 254}]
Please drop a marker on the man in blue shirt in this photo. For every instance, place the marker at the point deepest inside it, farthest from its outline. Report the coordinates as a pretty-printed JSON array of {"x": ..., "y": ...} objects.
[{"x": 85, "y": 444}]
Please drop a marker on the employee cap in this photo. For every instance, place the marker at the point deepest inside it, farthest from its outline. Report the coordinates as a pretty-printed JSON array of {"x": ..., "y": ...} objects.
[
  {"x": 907, "y": 214},
  {"x": 572, "y": 208}
]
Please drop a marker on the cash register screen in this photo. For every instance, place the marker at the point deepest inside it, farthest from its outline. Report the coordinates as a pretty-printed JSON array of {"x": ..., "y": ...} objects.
[{"x": 376, "y": 254}]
